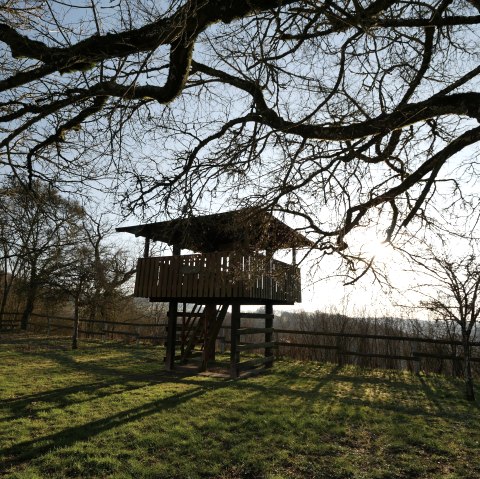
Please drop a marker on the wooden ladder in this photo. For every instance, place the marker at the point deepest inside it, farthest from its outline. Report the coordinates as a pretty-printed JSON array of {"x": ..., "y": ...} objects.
[
  {"x": 202, "y": 328},
  {"x": 212, "y": 328},
  {"x": 190, "y": 331}
]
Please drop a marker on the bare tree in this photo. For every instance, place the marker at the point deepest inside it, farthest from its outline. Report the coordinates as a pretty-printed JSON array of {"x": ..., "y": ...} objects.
[
  {"x": 111, "y": 267},
  {"x": 451, "y": 293},
  {"x": 10, "y": 262},
  {"x": 347, "y": 114},
  {"x": 38, "y": 226},
  {"x": 93, "y": 272}
]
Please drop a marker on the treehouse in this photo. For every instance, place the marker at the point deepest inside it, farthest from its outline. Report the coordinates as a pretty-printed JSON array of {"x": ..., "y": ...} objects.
[{"x": 232, "y": 265}]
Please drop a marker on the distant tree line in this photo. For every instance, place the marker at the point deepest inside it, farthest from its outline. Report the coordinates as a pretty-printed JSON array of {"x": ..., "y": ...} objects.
[{"x": 56, "y": 256}]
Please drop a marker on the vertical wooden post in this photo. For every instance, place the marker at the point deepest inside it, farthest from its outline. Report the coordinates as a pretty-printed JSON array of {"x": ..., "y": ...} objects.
[
  {"x": 146, "y": 250},
  {"x": 294, "y": 256},
  {"x": 210, "y": 313},
  {"x": 171, "y": 335},
  {"x": 172, "y": 325},
  {"x": 183, "y": 337},
  {"x": 234, "y": 340},
  {"x": 268, "y": 334}
]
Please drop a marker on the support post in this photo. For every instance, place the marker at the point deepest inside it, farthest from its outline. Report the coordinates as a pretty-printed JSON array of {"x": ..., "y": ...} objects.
[
  {"x": 234, "y": 340},
  {"x": 210, "y": 313},
  {"x": 172, "y": 325},
  {"x": 171, "y": 335},
  {"x": 269, "y": 333},
  {"x": 146, "y": 250}
]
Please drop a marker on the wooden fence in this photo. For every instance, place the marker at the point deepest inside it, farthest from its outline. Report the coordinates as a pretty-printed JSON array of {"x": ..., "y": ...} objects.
[
  {"x": 90, "y": 328},
  {"x": 442, "y": 355},
  {"x": 415, "y": 353}
]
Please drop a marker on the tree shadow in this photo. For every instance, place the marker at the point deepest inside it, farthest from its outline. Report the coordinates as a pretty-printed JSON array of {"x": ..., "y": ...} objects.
[
  {"x": 27, "y": 450},
  {"x": 63, "y": 397},
  {"x": 71, "y": 362}
]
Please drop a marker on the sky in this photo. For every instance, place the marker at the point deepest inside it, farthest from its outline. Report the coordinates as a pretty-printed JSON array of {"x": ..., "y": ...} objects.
[{"x": 321, "y": 288}]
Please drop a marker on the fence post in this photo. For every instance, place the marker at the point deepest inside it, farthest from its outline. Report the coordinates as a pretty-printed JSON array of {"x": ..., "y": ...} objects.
[
  {"x": 416, "y": 359},
  {"x": 340, "y": 357}
]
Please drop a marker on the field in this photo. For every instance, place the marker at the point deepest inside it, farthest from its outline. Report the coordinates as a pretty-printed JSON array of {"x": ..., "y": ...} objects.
[{"x": 111, "y": 410}]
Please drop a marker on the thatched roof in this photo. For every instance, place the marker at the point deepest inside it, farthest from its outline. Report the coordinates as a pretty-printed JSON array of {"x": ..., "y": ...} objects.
[{"x": 246, "y": 229}]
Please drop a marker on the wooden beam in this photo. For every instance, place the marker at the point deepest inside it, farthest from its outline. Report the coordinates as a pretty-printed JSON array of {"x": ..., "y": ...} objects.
[
  {"x": 269, "y": 332},
  {"x": 246, "y": 346},
  {"x": 235, "y": 339},
  {"x": 209, "y": 320},
  {"x": 146, "y": 250},
  {"x": 255, "y": 330},
  {"x": 171, "y": 335}
]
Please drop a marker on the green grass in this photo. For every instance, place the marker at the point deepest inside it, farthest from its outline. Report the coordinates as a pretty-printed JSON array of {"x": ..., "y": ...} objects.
[{"x": 110, "y": 410}]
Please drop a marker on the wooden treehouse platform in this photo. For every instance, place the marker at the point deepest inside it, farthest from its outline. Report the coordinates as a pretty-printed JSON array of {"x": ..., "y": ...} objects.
[
  {"x": 251, "y": 279},
  {"x": 233, "y": 265}
]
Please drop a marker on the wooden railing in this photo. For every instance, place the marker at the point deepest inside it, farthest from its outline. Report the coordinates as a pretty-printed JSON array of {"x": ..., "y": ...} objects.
[{"x": 217, "y": 275}]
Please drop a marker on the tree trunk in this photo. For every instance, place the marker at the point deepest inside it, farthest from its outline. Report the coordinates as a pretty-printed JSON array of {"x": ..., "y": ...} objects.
[
  {"x": 467, "y": 368},
  {"x": 27, "y": 311},
  {"x": 5, "y": 293},
  {"x": 76, "y": 322}
]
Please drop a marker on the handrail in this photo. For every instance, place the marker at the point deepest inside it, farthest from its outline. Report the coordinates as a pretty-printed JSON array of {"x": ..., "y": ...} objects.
[{"x": 218, "y": 275}]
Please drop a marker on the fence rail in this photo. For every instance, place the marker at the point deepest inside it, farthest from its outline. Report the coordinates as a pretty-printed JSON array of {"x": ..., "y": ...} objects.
[
  {"x": 108, "y": 329},
  {"x": 394, "y": 349}
]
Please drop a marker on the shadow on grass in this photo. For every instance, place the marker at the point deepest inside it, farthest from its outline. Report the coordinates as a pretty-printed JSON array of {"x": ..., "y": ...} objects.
[
  {"x": 27, "y": 450},
  {"x": 320, "y": 387},
  {"x": 22, "y": 452},
  {"x": 61, "y": 397},
  {"x": 324, "y": 389},
  {"x": 70, "y": 360}
]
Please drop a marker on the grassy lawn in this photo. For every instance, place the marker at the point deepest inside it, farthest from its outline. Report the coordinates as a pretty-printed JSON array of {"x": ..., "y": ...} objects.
[{"x": 110, "y": 410}]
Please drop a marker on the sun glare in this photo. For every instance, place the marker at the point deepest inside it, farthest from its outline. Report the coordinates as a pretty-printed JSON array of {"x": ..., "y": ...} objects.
[{"x": 370, "y": 245}]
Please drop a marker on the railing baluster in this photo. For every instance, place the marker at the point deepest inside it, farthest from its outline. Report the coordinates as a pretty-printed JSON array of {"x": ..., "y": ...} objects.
[{"x": 219, "y": 275}]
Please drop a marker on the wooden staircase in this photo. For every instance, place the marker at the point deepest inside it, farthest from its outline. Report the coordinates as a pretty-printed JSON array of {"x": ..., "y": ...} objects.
[
  {"x": 190, "y": 332},
  {"x": 193, "y": 330},
  {"x": 197, "y": 332}
]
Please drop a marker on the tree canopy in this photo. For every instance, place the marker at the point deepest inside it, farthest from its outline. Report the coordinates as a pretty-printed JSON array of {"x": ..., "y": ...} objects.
[{"x": 343, "y": 113}]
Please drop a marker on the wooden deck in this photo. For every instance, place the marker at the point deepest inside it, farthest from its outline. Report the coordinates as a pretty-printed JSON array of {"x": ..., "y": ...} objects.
[{"x": 216, "y": 277}]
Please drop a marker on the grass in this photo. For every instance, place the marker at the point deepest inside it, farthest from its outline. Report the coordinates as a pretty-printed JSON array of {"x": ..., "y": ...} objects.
[{"x": 111, "y": 411}]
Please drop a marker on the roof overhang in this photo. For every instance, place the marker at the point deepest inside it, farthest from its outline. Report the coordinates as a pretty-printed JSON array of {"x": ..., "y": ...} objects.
[{"x": 247, "y": 229}]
